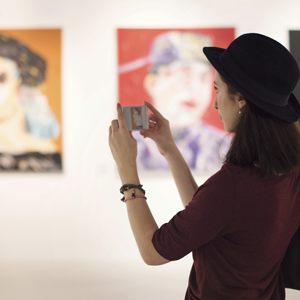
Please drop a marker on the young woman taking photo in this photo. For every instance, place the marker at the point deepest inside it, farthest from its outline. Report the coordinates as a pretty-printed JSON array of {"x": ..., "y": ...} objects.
[{"x": 239, "y": 223}]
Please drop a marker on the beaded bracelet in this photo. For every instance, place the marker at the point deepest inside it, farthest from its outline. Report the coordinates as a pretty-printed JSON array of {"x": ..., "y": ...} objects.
[{"x": 137, "y": 196}]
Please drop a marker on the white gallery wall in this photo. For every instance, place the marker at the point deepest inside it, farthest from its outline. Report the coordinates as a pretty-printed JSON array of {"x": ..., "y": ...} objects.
[{"x": 78, "y": 215}]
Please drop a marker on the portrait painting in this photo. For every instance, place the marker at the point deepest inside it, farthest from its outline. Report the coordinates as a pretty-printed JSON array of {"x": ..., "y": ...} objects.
[
  {"x": 136, "y": 118},
  {"x": 30, "y": 101},
  {"x": 167, "y": 67}
]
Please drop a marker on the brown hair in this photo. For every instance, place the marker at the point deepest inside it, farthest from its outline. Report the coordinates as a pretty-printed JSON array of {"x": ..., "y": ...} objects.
[{"x": 264, "y": 139}]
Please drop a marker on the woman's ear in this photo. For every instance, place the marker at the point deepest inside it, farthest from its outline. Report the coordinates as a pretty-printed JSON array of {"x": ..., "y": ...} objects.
[{"x": 241, "y": 100}]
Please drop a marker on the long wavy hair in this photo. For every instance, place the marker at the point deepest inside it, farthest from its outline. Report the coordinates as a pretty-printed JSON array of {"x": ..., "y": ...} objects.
[{"x": 263, "y": 139}]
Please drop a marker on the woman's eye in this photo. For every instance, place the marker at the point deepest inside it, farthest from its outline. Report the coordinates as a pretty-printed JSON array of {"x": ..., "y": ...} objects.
[{"x": 216, "y": 89}]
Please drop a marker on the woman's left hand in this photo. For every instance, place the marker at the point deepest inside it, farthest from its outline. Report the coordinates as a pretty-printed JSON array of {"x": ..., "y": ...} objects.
[{"x": 122, "y": 144}]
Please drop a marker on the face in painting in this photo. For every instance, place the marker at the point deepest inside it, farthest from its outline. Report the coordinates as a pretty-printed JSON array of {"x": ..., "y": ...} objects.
[
  {"x": 135, "y": 116},
  {"x": 9, "y": 79},
  {"x": 227, "y": 105},
  {"x": 181, "y": 91}
]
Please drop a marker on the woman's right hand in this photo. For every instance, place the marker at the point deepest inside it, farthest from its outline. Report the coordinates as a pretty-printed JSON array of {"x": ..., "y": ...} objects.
[{"x": 159, "y": 131}]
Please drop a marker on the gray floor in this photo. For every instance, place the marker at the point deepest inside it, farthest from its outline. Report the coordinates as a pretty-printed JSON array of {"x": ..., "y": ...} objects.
[{"x": 91, "y": 281}]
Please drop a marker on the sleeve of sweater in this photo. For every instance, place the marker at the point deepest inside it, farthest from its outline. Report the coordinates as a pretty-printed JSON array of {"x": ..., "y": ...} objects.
[{"x": 208, "y": 215}]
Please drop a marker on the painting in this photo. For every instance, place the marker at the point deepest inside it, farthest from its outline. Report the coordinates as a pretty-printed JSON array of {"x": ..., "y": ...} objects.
[
  {"x": 30, "y": 101},
  {"x": 167, "y": 68},
  {"x": 136, "y": 118}
]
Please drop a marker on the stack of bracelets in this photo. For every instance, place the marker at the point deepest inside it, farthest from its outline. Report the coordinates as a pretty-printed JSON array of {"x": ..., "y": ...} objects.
[{"x": 127, "y": 187}]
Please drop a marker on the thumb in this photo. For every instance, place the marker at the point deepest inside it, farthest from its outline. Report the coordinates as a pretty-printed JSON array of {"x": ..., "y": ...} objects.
[
  {"x": 130, "y": 133},
  {"x": 146, "y": 133}
]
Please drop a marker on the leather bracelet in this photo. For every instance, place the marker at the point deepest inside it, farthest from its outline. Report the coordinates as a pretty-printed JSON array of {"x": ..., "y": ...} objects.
[{"x": 127, "y": 187}]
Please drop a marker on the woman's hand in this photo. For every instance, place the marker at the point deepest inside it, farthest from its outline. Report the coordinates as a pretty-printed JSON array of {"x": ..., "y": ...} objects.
[
  {"x": 159, "y": 131},
  {"x": 122, "y": 144}
]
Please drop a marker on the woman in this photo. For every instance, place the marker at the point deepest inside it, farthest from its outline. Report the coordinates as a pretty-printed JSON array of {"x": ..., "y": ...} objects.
[{"x": 239, "y": 223}]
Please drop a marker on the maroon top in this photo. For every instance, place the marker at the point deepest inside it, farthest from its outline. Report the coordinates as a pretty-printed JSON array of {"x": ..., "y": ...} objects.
[{"x": 238, "y": 228}]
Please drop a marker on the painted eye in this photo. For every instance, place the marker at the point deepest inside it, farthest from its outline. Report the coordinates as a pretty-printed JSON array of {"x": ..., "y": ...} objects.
[{"x": 2, "y": 77}]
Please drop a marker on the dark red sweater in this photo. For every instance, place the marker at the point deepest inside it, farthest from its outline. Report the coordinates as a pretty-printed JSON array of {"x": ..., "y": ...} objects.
[{"x": 238, "y": 228}]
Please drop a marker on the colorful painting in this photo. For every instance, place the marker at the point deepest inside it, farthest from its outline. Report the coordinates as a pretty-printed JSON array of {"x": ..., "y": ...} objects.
[
  {"x": 30, "y": 101},
  {"x": 167, "y": 68}
]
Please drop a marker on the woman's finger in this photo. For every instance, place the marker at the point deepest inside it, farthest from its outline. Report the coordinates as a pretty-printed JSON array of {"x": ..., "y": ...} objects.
[
  {"x": 154, "y": 110},
  {"x": 152, "y": 117},
  {"x": 152, "y": 125},
  {"x": 151, "y": 128},
  {"x": 114, "y": 125},
  {"x": 121, "y": 118}
]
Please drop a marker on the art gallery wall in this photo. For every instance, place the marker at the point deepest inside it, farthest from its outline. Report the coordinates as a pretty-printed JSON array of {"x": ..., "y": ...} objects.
[{"x": 78, "y": 215}]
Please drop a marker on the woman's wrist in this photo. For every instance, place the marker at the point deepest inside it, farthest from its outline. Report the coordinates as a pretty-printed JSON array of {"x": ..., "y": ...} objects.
[
  {"x": 169, "y": 149},
  {"x": 128, "y": 174},
  {"x": 173, "y": 151}
]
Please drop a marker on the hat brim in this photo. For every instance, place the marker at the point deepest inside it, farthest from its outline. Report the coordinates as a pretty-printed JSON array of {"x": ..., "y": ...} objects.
[{"x": 288, "y": 113}]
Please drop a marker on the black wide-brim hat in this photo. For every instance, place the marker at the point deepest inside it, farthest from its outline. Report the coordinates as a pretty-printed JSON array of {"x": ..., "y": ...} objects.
[{"x": 262, "y": 70}]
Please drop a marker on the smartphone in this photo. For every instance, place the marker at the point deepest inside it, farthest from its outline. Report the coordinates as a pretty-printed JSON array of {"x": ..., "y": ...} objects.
[{"x": 136, "y": 117}]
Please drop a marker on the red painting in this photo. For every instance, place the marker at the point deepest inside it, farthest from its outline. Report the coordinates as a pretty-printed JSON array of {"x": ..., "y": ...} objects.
[{"x": 167, "y": 68}]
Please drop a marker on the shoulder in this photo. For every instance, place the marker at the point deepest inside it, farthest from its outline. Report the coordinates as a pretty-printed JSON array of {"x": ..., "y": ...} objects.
[
  {"x": 226, "y": 179},
  {"x": 216, "y": 197},
  {"x": 221, "y": 183},
  {"x": 238, "y": 171},
  {"x": 226, "y": 173}
]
